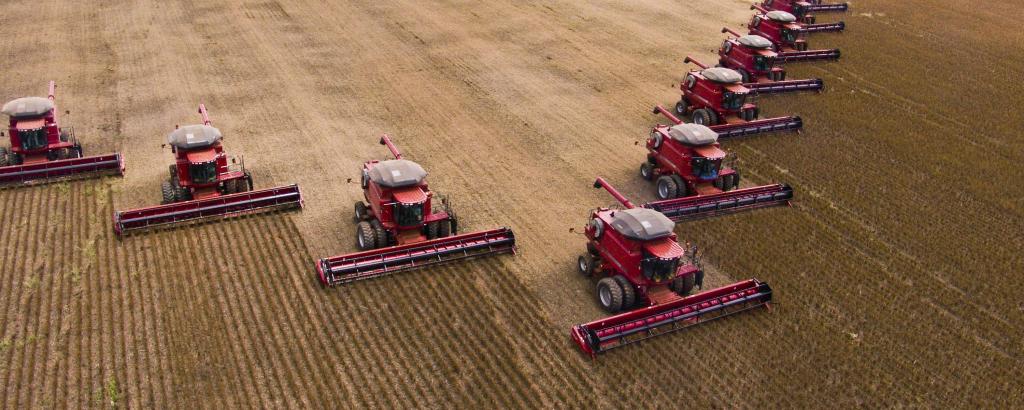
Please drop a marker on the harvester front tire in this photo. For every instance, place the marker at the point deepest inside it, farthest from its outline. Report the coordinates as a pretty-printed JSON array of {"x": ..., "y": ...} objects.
[
  {"x": 704, "y": 117},
  {"x": 182, "y": 194},
  {"x": 683, "y": 285},
  {"x": 628, "y": 293},
  {"x": 609, "y": 295},
  {"x": 444, "y": 229},
  {"x": 744, "y": 75},
  {"x": 166, "y": 192},
  {"x": 647, "y": 171},
  {"x": 5, "y": 158},
  {"x": 585, "y": 264},
  {"x": 380, "y": 233},
  {"x": 681, "y": 188},
  {"x": 432, "y": 229},
  {"x": 366, "y": 238},
  {"x": 667, "y": 187}
]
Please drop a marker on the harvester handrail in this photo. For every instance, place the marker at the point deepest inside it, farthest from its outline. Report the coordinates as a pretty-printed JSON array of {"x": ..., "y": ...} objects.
[
  {"x": 601, "y": 183},
  {"x": 658, "y": 109},
  {"x": 53, "y": 90},
  {"x": 730, "y": 31},
  {"x": 205, "y": 114},
  {"x": 386, "y": 140},
  {"x": 689, "y": 59}
]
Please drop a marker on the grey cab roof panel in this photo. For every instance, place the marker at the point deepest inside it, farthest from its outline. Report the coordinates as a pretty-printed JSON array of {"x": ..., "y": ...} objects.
[
  {"x": 693, "y": 134},
  {"x": 722, "y": 75},
  {"x": 780, "y": 16},
  {"x": 642, "y": 224},
  {"x": 397, "y": 173},
  {"x": 28, "y": 107},
  {"x": 194, "y": 136},
  {"x": 755, "y": 41}
]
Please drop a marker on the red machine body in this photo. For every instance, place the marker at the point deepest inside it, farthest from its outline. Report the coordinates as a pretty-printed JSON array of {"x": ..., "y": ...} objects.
[
  {"x": 789, "y": 36},
  {"x": 201, "y": 168},
  {"x": 693, "y": 178},
  {"x": 203, "y": 184},
  {"x": 687, "y": 160},
  {"x": 803, "y": 10},
  {"x": 717, "y": 98},
  {"x": 635, "y": 254},
  {"x": 642, "y": 267},
  {"x": 41, "y": 150},
  {"x": 754, "y": 58},
  {"x": 398, "y": 227}
]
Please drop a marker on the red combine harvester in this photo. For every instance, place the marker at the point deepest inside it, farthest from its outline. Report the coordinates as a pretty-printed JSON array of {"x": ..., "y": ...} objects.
[
  {"x": 642, "y": 267},
  {"x": 203, "y": 185},
  {"x": 803, "y": 10},
  {"x": 693, "y": 179},
  {"x": 754, "y": 58},
  {"x": 42, "y": 151},
  {"x": 716, "y": 97},
  {"x": 400, "y": 229},
  {"x": 789, "y": 37}
]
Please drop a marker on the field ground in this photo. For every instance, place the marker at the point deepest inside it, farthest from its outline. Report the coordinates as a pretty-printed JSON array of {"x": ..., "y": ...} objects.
[{"x": 897, "y": 271}]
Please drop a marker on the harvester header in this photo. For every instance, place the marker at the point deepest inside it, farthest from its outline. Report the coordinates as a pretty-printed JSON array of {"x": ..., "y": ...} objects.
[
  {"x": 203, "y": 184},
  {"x": 398, "y": 227},
  {"x": 645, "y": 278},
  {"x": 42, "y": 151}
]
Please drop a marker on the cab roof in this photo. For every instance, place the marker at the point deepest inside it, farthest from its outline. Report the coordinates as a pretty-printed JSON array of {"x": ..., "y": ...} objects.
[
  {"x": 722, "y": 75},
  {"x": 755, "y": 41},
  {"x": 194, "y": 136},
  {"x": 642, "y": 224},
  {"x": 397, "y": 173},
  {"x": 693, "y": 134},
  {"x": 28, "y": 107},
  {"x": 780, "y": 16}
]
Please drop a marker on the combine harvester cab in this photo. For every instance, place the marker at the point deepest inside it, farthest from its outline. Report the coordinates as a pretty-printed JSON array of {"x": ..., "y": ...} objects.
[
  {"x": 754, "y": 58},
  {"x": 41, "y": 151},
  {"x": 716, "y": 97},
  {"x": 647, "y": 275},
  {"x": 399, "y": 229},
  {"x": 694, "y": 178},
  {"x": 203, "y": 184},
  {"x": 789, "y": 37},
  {"x": 804, "y": 10}
]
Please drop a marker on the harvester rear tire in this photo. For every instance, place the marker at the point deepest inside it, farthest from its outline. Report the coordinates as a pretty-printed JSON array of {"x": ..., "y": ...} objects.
[
  {"x": 682, "y": 107},
  {"x": 647, "y": 171},
  {"x": 166, "y": 192},
  {"x": 683, "y": 285},
  {"x": 704, "y": 117},
  {"x": 360, "y": 213},
  {"x": 681, "y": 188},
  {"x": 628, "y": 293},
  {"x": 667, "y": 187},
  {"x": 444, "y": 229},
  {"x": 609, "y": 295},
  {"x": 380, "y": 234},
  {"x": 366, "y": 238},
  {"x": 585, "y": 264}
]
